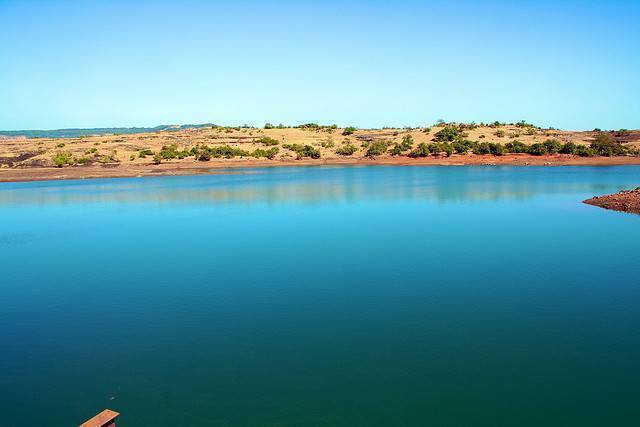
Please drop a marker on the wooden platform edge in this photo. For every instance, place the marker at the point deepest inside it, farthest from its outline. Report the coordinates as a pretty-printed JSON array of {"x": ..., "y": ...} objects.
[{"x": 103, "y": 419}]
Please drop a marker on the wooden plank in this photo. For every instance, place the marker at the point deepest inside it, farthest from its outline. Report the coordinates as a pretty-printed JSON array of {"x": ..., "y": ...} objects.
[{"x": 103, "y": 419}]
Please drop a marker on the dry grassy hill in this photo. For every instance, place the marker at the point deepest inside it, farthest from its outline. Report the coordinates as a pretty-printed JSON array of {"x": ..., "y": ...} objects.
[{"x": 273, "y": 144}]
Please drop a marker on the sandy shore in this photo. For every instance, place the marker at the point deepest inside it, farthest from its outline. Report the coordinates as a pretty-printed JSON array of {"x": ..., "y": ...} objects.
[
  {"x": 217, "y": 166},
  {"x": 624, "y": 201}
]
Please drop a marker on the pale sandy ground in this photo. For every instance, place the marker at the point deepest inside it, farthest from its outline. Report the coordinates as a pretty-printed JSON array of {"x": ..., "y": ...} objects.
[{"x": 24, "y": 159}]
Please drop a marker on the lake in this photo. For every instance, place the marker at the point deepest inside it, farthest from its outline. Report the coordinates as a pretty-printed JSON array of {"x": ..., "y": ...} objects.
[{"x": 322, "y": 296}]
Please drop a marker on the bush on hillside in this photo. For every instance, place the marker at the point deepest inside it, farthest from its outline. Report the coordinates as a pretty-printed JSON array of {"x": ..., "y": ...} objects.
[
  {"x": 346, "y": 150},
  {"x": 268, "y": 141},
  {"x": 303, "y": 150},
  {"x": 62, "y": 158},
  {"x": 552, "y": 146},
  {"x": 376, "y": 148},
  {"x": 604, "y": 145},
  {"x": 420, "y": 151},
  {"x": 516, "y": 146},
  {"x": 269, "y": 154},
  {"x": 449, "y": 133}
]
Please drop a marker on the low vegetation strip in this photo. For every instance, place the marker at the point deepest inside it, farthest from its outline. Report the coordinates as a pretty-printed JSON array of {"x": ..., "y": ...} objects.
[{"x": 190, "y": 145}]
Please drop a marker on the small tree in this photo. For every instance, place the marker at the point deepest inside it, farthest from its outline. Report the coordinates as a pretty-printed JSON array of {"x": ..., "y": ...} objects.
[
  {"x": 421, "y": 151},
  {"x": 569, "y": 148},
  {"x": 376, "y": 148},
  {"x": 604, "y": 145},
  {"x": 552, "y": 145},
  {"x": 537, "y": 149},
  {"x": 449, "y": 133}
]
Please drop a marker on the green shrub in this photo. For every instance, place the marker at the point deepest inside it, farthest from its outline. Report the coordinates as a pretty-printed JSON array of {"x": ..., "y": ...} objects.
[
  {"x": 268, "y": 141},
  {"x": 537, "y": 149},
  {"x": 516, "y": 146},
  {"x": 268, "y": 126},
  {"x": 604, "y": 145},
  {"x": 396, "y": 150},
  {"x": 62, "y": 158},
  {"x": 462, "y": 147},
  {"x": 312, "y": 126},
  {"x": 157, "y": 159},
  {"x": 500, "y": 133},
  {"x": 109, "y": 158},
  {"x": 434, "y": 148},
  {"x": 584, "y": 151},
  {"x": 205, "y": 153},
  {"x": 449, "y": 133},
  {"x": 406, "y": 144},
  {"x": 552, "y": 145},
  {"x": 269, "y": 154},
  {"x": 420, "y": 151},
  {"x": 346, "y": 150},
  {"x": 62, "y": 144},
  {"x": 168, "y": 152},
  {"x": 328, "y": 143},
  {"x": 349, "y": 130},
  {"x": 496, "y": 149},
  {"x": 144, "y": 153},
  {"x": 377, "y": 148},
  {"x": 523, "y": 124},
  {"x": 482, "y": 148},
  {"x": 569, "y": 148},
  {"x": 316, "y": 127},
  {"x": 303, "y": 150},
  {"x": 202, "y": 154}
]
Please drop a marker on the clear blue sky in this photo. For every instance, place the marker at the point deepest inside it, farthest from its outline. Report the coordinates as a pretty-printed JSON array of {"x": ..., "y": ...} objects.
[{"x": 568, "y": 64}]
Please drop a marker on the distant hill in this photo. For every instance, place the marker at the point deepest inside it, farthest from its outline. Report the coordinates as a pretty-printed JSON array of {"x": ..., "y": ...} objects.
[{"x": 74, "y": 133}]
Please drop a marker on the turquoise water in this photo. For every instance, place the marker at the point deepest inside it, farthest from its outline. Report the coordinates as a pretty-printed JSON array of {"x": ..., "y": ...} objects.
[{"x": 442, "y": 296}]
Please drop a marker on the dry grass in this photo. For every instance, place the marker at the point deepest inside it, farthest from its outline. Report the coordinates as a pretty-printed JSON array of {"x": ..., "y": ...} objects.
[{"x": 22, "y": 152}]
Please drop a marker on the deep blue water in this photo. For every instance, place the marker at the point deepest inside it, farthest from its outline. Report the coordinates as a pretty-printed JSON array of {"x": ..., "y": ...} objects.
[{"x": 441, "y": 296}]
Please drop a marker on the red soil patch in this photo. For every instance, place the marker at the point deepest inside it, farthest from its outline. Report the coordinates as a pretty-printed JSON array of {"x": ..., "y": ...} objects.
[
  {"x": 625, "y": 201},
  {"x": 217, "y": 166}
]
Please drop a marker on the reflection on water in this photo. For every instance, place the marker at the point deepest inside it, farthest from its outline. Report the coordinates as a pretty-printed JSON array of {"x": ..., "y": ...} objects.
[
  {"x": 311, "y": 296},
  {"x": 310, "y": 185}
]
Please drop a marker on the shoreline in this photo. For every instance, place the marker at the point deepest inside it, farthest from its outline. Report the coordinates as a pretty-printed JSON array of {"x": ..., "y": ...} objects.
[
  {"x": 178, "y": 168},
  {"x": 624, "y": 201}
]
